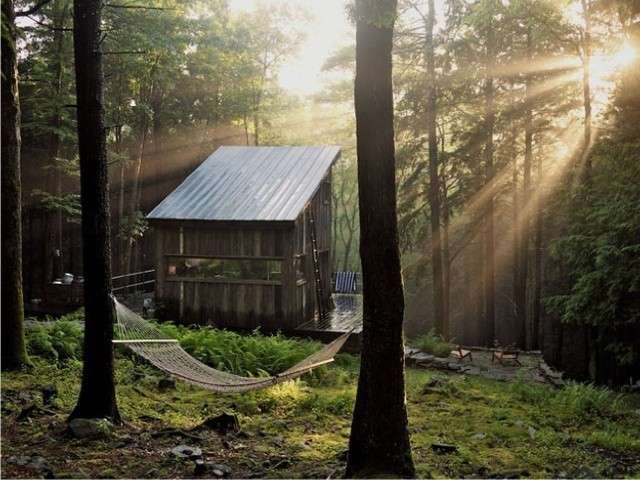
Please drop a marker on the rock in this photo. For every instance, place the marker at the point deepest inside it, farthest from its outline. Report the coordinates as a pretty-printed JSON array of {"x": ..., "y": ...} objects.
[
  {"x": 185, "y": 451},
  {"x": 433, "y": 386},
  {"x": 27, "y": 411},
  {"x": 532, "y": 433},
  {"x": 167, "y": 383},
  {"x": 443, "y": 448},
  {"x": 211, "y": 469},
  {"x": 91, "y": 428},
  {"x": 49, "y": 392},
  {"x": 35, "y": 463},
  {"x": 479, "y": 436},
  {"x": 222, "y": 423}
]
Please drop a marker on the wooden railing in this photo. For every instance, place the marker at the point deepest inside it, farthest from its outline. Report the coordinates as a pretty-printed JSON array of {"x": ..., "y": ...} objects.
[{"x": 138, "y": 281}]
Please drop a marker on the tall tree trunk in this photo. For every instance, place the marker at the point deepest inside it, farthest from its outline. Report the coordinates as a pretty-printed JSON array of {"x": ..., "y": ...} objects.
[
  {"x": 537, "y": 280},
  {"x": 14, "y": 353},
  {"x": 379, "y": 443},
  {"x": 518, "y": 299},
  {"x": 532, "y": 334},
  {"x": 97, "y": 392},
  {"x": 586, "y": 90},
  {"x": 446, "y": 262},
  {"x": 434, "y": 178},
  {"x": 56, "y": 219},
  {"x": 489, "y": 240}
]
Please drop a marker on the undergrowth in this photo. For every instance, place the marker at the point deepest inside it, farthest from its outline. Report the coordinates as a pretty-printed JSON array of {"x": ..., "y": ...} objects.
[
  {"x": 252, "y": 354},
  {"x": 433, "y": 344}
]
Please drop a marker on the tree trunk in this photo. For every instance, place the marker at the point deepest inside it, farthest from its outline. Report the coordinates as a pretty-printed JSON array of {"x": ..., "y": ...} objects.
[
  {"x": 586, "y": 90},
  {"x": 14, "y": 353},
  {"x": 537, "y": 281},
  {"x": 489, "y": 240},
  {"x": 379, "y": 443},
  {"x": 518, "y": 299},
  {"x": 97, "y": 392},
  {"x": 434, "y": 179},
  {"x": 532, "y": 334},
  {"x": 56, "y": 220}
]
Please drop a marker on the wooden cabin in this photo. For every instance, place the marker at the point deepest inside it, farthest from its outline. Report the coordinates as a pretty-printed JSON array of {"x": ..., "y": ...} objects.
[{"x": 234, "y": 241}]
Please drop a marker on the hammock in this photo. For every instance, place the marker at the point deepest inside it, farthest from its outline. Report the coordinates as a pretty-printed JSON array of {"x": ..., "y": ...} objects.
[{"x": 165, "y": 353}]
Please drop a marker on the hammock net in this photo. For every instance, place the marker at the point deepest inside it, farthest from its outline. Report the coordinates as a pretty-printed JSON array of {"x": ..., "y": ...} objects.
[{"x": 165, "y": 353}]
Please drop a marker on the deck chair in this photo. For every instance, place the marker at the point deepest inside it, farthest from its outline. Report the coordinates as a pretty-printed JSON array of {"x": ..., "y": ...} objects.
[
  {"x": 345, "y": 282},
  {"x": 460, "y": 353},
  {"x": 504, "y": 355}
]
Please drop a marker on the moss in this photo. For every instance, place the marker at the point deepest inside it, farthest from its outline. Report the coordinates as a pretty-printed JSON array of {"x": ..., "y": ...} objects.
[{"x": 301, "y": 429}]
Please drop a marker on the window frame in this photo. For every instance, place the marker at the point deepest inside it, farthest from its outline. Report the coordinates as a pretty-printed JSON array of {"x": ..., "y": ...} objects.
[{"x": 236, "y": 281}]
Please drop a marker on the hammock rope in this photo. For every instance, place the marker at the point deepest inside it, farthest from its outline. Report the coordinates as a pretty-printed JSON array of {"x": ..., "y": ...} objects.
[{"x": 166, "y": 354}]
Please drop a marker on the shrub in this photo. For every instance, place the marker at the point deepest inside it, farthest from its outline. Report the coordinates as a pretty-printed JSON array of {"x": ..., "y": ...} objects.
[
  {"x": 58, "y": 341},
  {"x": 433, "y": 344},
  {"x": 584, "y": 401}
]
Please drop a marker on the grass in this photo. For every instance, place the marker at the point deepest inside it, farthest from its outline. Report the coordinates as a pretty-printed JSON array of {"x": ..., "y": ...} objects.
[{"x": 301, "y": 428}]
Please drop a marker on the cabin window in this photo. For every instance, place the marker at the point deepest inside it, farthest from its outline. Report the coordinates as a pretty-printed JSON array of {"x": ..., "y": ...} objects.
[{"x": 224, "y": 268}]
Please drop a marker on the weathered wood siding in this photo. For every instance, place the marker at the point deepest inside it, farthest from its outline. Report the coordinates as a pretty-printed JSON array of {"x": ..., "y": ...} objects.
[
  {"x": 320, "y": 205},
  {"x": 246, "y": 304},
  {"x": 225, "y": 303}
]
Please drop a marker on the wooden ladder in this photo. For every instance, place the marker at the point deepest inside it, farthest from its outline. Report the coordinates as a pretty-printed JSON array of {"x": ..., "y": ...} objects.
[{"x": 316, "y": 267}]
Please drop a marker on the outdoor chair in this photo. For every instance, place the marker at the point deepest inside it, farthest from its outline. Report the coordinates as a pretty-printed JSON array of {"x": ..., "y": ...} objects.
[
  {"x": 503, "y": 356},
  {"x": 460, "y": 353}
]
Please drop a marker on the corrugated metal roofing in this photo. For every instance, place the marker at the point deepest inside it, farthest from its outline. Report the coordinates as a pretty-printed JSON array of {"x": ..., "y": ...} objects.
[{"x": 249, "y": 183}]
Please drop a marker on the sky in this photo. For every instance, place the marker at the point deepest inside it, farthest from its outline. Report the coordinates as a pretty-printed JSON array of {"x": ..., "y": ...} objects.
[{"x": 328, "y": 30}]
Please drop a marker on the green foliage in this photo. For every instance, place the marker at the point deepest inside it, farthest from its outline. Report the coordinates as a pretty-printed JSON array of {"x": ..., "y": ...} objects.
[
  {"x": 433, "y": 343},
  {"x": 255, "y": 354},
  {"x": 600, "y": 253},
  {"x": 68, "y": 204},
  {"x": 59, "y": 341},
  {"x": 576, "y": 401},
  {"x": 133, "y": 226}
]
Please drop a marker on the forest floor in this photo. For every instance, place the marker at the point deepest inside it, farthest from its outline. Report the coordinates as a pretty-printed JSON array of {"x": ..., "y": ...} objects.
[{"x": 298, "y": 429}]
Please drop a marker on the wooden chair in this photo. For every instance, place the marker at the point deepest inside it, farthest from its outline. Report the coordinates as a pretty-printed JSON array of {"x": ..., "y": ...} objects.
[
  {"x": 503, "y": 355},
  {"x": 461, "y": 354}
]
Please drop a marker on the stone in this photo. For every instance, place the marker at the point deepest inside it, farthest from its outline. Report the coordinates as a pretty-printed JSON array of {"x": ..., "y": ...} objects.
[
  {"x": 185, "y": 451},
  {"x": 91, "y": 428},
  {"x": 223, "y": 423},
  {"x": 479, "y": 436},
  {"x": 532, "y": 433},
  {"x": 49, "y": 392},
  {"x": 167, "y": 383},
  {"x": 211, "y": 469},
  {"x": 443, "y": 448},
  {"x": 35, "y": 463}
]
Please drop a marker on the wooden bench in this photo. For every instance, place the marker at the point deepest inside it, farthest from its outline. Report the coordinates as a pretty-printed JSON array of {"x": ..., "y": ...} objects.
[
  {"x": 503, "y": 356},
  {"x": 461, "y": 354}
]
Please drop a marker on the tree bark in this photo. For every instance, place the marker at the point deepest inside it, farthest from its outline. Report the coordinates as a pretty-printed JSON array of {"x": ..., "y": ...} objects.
[
  {"x": 434, "y": 177},
  {"x": 532, "y": 335},
  {"x": 586, "y": 91},
  {"x": 97, "y": 392},
  {"x": 14, "y": 353},
  {"x": 379, "y": 443},
  {"x": 489, "y": 240},
  {"x": 538, "y": 274}
]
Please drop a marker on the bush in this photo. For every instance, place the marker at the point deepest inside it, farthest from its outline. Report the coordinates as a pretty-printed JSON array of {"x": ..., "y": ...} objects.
[
  {"x": 583, "y": 401},
  {"x": 433, "y": 344},
  {"x": 58, "y": 341}
]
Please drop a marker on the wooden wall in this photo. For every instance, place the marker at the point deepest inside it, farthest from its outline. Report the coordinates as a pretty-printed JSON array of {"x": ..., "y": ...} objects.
[
  {"x": 320, "y": 205},
  {"x": 245, "y": 304},
  {"x": 224, "y": 303}
]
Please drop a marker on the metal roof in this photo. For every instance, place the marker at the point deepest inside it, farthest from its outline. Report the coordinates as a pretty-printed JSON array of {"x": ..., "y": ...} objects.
[{"x": 249, "y": 183}]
